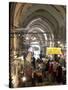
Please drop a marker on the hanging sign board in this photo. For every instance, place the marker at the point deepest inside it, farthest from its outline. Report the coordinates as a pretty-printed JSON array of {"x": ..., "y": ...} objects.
[{"x": 53, "y": 50}]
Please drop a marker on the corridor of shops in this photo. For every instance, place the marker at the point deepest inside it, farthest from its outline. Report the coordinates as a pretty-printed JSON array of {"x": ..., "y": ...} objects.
[{"x": 37, "y": 44}]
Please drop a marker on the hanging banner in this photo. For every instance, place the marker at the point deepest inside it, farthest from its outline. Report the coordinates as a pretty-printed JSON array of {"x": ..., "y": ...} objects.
[{"x": 53, "y": 50}]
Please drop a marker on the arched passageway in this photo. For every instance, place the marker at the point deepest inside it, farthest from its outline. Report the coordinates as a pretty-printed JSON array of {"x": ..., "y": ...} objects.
[{"x": 33, "y": 28}]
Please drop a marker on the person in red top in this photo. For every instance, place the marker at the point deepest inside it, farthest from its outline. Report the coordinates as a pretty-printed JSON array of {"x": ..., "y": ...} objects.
[{"x": 50, "y": 71}]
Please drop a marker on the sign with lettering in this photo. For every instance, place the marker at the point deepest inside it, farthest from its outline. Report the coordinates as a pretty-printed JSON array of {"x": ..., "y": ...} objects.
[{"x": 53, "y": 50}]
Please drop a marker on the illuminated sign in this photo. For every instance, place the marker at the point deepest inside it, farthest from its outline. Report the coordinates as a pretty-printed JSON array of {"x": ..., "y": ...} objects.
[{"x": 53, "y": 50}]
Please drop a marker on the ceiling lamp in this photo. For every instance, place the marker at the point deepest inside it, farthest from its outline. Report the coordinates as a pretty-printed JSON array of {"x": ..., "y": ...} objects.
[
  {"x": 33, "y": 38},
  {"x": 58, "y": 42},
  {"x": 27, "y": 38},
  {"x": 61, "y": 45}
]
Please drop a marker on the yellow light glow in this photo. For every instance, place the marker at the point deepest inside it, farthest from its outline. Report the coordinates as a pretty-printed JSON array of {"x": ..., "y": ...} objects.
[{"x": 53, "y": 50}]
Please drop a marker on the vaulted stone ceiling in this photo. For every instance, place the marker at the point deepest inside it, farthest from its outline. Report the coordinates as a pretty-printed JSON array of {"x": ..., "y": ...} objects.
[{"x": 50, "y": 17}]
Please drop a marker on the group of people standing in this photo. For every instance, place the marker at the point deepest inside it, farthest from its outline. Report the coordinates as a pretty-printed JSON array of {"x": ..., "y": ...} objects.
[{"x": 52, "y": 69}]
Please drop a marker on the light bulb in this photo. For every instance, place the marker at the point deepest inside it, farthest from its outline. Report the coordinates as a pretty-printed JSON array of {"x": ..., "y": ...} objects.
[{"x": 24, "y": 79}]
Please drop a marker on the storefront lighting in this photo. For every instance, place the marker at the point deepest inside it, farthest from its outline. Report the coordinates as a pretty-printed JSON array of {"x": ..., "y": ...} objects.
[
  {"x": 61, "y": 45},
  {"x": 53, "y": 50},
  {"x": 24, "y": 79},
  {"x": 58, "y": 55}
]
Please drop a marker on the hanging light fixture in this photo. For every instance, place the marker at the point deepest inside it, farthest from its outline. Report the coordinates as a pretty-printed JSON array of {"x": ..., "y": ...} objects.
[
  {"x": 58, "y": 42},
  {"x": 27, "y": 38},
  {"x": 33, "y": 38}
]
